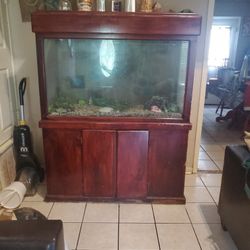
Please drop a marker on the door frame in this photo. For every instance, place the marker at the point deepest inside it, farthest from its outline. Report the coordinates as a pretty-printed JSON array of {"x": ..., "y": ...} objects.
[{"x": 6, "y": 49}]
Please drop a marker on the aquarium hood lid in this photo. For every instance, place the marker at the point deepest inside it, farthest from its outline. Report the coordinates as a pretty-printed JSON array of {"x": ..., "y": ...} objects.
[{"x": 116, "y": 23}]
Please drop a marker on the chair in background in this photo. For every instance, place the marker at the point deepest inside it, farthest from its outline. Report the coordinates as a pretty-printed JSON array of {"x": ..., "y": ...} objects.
[
  {"x": 239, "y": 100},
  {"x": 226, "y": 87},
  {"x": 229, "y": 91}
]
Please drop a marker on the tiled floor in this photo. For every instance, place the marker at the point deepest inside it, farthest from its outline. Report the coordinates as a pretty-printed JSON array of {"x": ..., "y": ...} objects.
[
  {"x": 215, "y": 137},
  {"x": 113, "y": 226}
]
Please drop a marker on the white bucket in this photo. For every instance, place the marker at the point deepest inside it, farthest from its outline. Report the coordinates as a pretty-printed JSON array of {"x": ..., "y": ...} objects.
[{"x": 12, "y": 196}]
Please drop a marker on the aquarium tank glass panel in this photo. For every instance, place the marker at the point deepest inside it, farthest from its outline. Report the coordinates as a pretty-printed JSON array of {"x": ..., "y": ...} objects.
[{"x": 120, "y": 78}]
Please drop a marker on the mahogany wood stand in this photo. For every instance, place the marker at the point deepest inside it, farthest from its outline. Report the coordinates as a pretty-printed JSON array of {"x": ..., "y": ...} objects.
[{"x": 111, "y": 158}]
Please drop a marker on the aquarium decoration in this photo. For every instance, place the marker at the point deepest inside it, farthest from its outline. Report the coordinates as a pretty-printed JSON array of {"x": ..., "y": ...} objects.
[
  {"x": 156, "y": 107},
  {"x": 156, "y": 104}
]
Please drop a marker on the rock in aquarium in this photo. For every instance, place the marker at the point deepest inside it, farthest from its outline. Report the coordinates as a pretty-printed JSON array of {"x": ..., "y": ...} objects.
[{"x": 106, "y": 110}]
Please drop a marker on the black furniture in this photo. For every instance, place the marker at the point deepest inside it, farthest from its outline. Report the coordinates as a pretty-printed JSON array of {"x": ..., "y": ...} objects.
[
  {"x": 234, "y": 205},
  {"x": 30, "y": 235}
]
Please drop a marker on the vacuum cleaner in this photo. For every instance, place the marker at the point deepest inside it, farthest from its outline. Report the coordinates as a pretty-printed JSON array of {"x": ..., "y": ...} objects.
[{"x": 28, "y": 169}]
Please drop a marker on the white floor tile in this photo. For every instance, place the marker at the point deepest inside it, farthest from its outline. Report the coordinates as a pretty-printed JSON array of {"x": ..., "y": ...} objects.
[
  {"x": 136, "y": 213},
  {"x": 101, "y": 212},
  {"x": 203, "y": 212},
  {"x": 212, "y": 237},
  {"x": 98, "y": 236},
  {"x": 218, "y": 155},
  {"x": 215, "y": 193},
  {"x": 138, "y": 237},
  {"x": 205, "y": 141},
  {"x": 201, "y": 149},
  {"x": 71, "y": 234},
  {"x": 42, "y": 207},
  {"x": 177, "y": 237},
  {"x": 212, "y": 147},
  {"x": 222, "y": 145},
  {"x": 170, "y": 214},
  {"x": 211, "y": 180},
  {"x": 67, "y": 212},
  {"x": 207, "y": 165},
  {"x": 219, "y": 164},
  {"x": 193, "y": 180},
  {"x": 203, "y": 156},
  {"x": 197, "y": 194}
]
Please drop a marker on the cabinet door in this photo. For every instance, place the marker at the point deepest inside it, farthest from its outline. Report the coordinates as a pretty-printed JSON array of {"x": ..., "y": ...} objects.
[
  {"x": 167, "y": 156},
  {"x": 63, "y": 156},
  {"x": 98, "y": 161},
  {"x": 132, "y": 164}
]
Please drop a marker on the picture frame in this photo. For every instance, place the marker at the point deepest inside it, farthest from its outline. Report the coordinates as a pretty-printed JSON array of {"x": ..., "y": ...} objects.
[{"x": 29, "y": 6}]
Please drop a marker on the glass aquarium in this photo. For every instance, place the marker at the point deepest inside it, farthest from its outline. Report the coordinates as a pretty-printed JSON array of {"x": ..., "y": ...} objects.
[{"x": 117, "y": 78}]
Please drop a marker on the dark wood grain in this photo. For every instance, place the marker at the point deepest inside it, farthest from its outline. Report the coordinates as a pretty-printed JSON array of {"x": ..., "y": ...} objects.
[
  {"x": 115, "y": 23},
  {"x": 189, "y": 81},
  {"x": 41, "y": 75},
  {"x": 167, "y": 156},
  {"x": 132, "y": 164},
  {"x": 63, "y": 156},
  {"x": 102, "y": 124},
  {"x": 99, "y": 163}
]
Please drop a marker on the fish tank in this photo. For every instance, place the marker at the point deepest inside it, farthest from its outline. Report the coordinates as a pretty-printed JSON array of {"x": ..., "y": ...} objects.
[{"x": 116, "y": 78}]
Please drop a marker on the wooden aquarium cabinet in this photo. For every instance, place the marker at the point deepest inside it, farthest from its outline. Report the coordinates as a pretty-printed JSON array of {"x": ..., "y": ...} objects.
[{"x": 115, "y": 93}]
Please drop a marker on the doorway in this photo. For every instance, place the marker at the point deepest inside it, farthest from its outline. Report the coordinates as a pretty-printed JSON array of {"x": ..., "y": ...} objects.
[{"x": 222, "y": 56}]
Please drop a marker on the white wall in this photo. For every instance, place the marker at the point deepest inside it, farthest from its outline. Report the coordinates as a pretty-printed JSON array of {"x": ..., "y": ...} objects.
[
  {"x": 25, "y": 65},
  {"x": 238, "y": 9}
]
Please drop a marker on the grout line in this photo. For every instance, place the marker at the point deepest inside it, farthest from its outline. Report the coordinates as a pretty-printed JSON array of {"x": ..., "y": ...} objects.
[
  {"x": 138, "y": 223},
  {"x": 50, "y": 210},
  {"x": 193, "y": 228},
  {"x": 208, "y": 191},
  {"x": 217, "y": 165},
  {"x": 118, "y": 234},
  {"x": 213, "y": 197},
  {"x": 210, "y": 159},
  {"x": 202, "y": 202},
  {"x": 206, "y": 223},
  {"x": 98, "y": 222},
  {"x": 80, "y": 230},
  {"x": 84, "y": 211},
  {"x": 209, "y": 170},
  {"x": 170, "y": 223},
  {"x": 158, "y": 240}
]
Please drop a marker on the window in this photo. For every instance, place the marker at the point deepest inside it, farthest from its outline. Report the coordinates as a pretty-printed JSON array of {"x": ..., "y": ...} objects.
[
  {"x": 219, "y": 49},
  {"x": 223, "y": 41}
]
